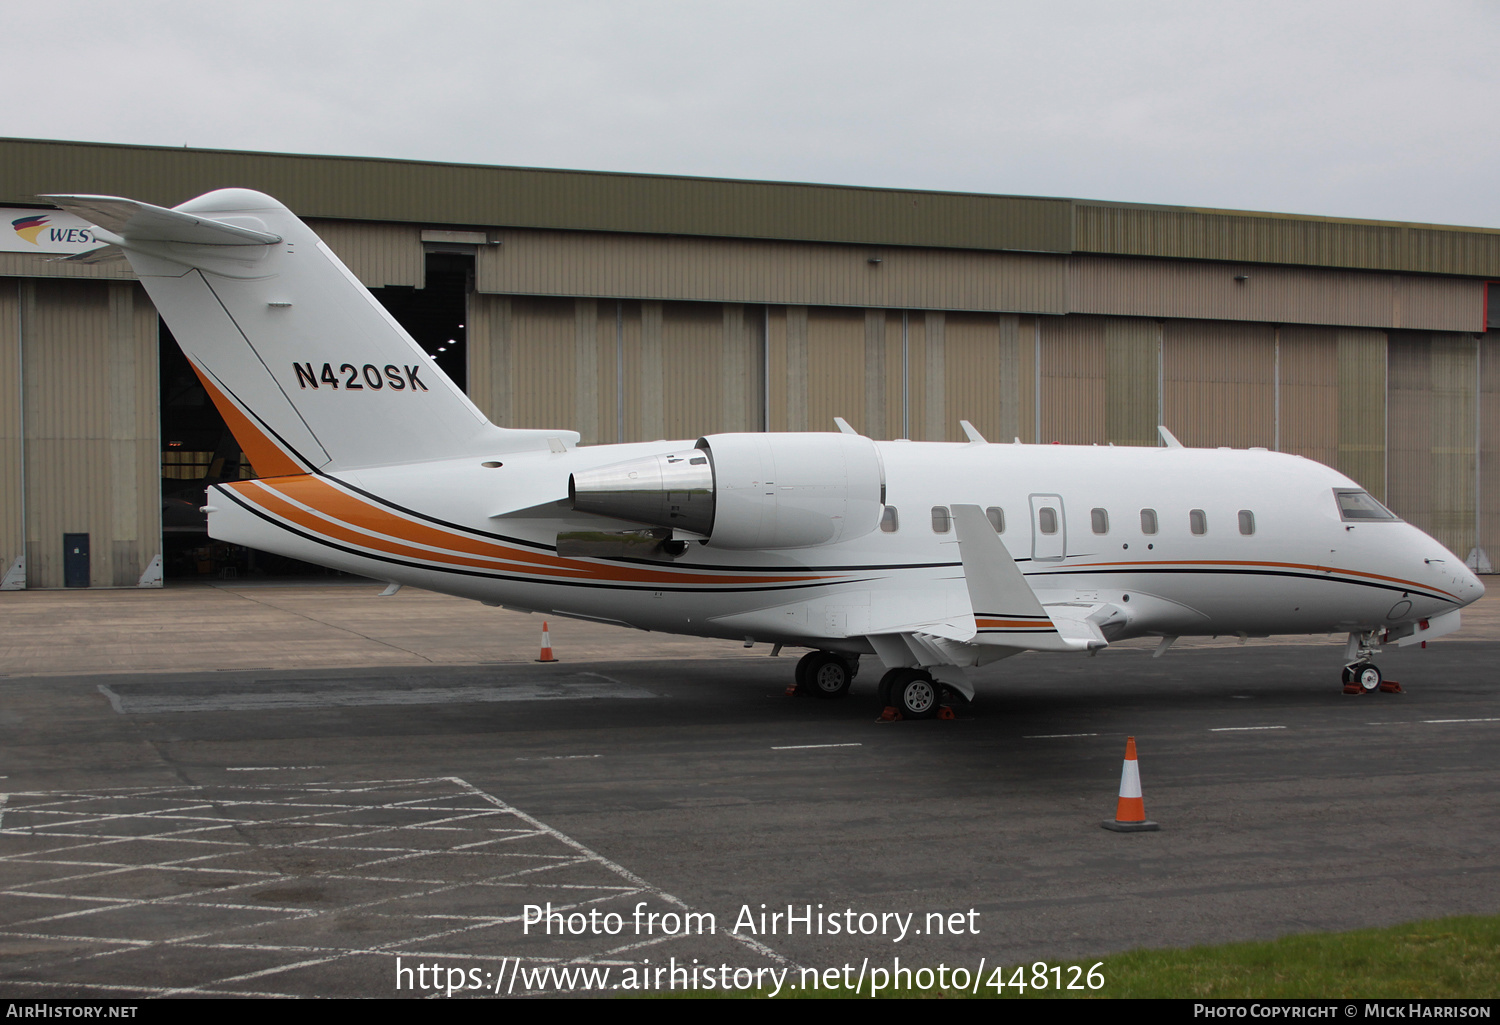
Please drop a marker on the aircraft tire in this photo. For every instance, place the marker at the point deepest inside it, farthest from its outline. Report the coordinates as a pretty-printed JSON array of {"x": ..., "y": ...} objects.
[
  {"x": 827, "y": 675},
  {"x": 914, "y": 694},
  {"x": 1369, "y": 677},
  {"x": 799, "y": 675}
]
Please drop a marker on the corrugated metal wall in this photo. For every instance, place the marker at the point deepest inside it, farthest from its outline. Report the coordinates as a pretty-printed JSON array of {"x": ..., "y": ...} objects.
[
  {"x": 1132, "y": 378},
  {"x": 1362, "y": 366},
  {"x": 739, "y": 270},
  {"x": 359, "y": 188},
  {"x": 835, "y": 367},
  {"x": 379, "y": 254},
  {"x": 1074, "y": 372},
  {"x": 616, "y": 371},
  {"x": 692, "y": 369},
  {"x": 92, "y": 459},
  {"x": 1295, "y": 295},
  {"x": 1219, "y": 383},
  {"x": 1433, "y": 393},
  {"x": 1183, "y": 233},
  {"x": 1489, "y": 446},
  {"x": 35, "y": 265},
  {"x": 543, "y": 363},
  {"x": 1308, "y": 411},
  {"x": 12, "y": 497}
]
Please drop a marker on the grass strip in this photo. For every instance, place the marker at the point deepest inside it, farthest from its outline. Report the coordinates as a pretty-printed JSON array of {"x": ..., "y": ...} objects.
[{"x": 1440, "y": 958}]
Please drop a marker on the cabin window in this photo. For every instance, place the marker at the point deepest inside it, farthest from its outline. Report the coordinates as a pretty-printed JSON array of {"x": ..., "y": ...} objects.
[
  {"x": 997, "y": 518},
  {"x": 1046, "y": 519},
  {"x": 1198, "y": 521},
  {"x": 1148, "y": 521},
  {"x": 1359, "y": 506},
  {"x": 889, "y": 521},
  {"x": 1247, "y": 522},
  {"x": 942, "y": 521},
  {"x": 1099, "y": 520}
]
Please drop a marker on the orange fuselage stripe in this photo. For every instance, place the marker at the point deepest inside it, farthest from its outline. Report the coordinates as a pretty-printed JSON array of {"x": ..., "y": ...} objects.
[
  {"x": 333, "y": 505},
  {"x": 321, "y": 525},
  {"x": 266, "y": 456}
]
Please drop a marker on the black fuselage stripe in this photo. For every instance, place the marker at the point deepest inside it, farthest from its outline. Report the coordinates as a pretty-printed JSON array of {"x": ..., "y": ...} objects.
[
  {"x": 765, "y": 587},
  {"x": 412, "y": 564}
]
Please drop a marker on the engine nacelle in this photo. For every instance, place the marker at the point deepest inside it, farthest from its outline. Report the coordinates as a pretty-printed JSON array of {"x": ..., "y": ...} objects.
[{"x": 747, "y": 491}]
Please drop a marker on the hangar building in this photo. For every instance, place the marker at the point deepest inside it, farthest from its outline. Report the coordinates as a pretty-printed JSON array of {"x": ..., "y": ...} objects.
[{"x": 633, "y": 307}]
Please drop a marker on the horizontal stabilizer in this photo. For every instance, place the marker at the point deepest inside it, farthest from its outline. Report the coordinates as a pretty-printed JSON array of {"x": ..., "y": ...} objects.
[
  {"x": 99, "y": 254},
  {"x": 1006, "y": 609},
  {"x": 141, "y": 222}
]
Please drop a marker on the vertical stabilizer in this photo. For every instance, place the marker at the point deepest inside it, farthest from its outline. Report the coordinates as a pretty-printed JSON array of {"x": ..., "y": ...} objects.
[{"x": 308, "y": 368}]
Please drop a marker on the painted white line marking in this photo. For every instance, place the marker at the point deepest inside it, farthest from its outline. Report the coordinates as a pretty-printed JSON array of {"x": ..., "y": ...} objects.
[
  {"x": 557, "y": 758},
  {"x": 1239, "y": 729},
  {"x": 1055, "y": 736},
  {"x": 270, "y": 768},
  {"x": 805, "y": 747},
  {"x": 337, "y": 820},
  {"x": 1461, "y": 720}
]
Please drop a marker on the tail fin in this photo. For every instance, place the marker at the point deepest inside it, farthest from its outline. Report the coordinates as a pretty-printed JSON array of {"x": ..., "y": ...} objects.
[{"x": 308, "y": 369}]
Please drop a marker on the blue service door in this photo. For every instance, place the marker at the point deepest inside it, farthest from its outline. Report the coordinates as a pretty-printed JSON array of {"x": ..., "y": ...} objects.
[{"x": 76, "y": 560}]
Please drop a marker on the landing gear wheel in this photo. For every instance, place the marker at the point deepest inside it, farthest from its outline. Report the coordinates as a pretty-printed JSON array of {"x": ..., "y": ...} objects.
[
  {"x": 887, "y": 682},
  {"x": 1368, "y": 677},
  {"x": 800, "y": 673},
  {"x": 827, "y": 675},
  {"x": 914, "y": 694}
]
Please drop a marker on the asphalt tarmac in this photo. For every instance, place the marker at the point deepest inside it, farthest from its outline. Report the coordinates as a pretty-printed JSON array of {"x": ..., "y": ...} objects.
[{"x": 296, "y": 831}]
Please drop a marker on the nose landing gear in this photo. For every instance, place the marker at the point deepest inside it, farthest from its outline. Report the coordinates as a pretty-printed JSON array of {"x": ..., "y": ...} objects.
[{"x": 1361, "y": 676}]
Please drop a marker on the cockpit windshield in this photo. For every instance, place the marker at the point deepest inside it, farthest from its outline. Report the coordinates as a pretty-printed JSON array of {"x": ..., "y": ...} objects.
[{"x": 1359, "y": 506}]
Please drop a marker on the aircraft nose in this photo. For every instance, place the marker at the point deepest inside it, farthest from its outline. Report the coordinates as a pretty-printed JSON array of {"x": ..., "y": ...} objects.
[{"x": 1470, "y": 587}]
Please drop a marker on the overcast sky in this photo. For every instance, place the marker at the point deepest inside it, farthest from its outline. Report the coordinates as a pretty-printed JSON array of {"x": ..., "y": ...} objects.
[{"x": 1373, "y": 109}]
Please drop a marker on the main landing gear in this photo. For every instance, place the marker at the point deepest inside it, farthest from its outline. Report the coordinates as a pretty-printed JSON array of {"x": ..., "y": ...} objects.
[
  {"x": 826, "y": 674},
  {"x": 912, "y": 692}
]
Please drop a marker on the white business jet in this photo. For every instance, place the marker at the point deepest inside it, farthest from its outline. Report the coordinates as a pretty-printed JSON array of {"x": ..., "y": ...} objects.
[{"x": 936, "y": 558}]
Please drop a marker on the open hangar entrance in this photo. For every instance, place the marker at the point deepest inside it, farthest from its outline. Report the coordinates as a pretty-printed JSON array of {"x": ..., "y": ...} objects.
[{"x": 198, "y": 449}]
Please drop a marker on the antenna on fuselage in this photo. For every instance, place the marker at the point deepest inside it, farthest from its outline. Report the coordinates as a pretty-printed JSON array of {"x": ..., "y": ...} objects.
[{"x": 1168, "y": 438}]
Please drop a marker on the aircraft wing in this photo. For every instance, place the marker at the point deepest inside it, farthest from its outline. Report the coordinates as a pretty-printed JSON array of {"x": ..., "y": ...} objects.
[{"x": 1007, "y": 612}]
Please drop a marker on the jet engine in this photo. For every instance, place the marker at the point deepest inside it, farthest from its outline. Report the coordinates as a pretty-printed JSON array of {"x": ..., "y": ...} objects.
[{"x": 746, "y": 491}]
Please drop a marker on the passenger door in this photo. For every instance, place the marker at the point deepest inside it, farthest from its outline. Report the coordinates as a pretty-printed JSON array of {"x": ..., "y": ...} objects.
[{"x": 1049, "y": 529}]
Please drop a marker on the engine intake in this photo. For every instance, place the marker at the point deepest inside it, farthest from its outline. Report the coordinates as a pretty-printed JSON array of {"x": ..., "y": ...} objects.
[{"x": 746, "y": 491}]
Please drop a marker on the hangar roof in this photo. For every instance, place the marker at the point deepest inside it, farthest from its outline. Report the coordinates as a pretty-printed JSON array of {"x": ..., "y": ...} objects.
[{"x": 409, "y": 191}]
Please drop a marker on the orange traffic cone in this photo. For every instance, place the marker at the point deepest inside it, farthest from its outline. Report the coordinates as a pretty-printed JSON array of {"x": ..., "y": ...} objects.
[
  {"x": 547, "y": 655},
  {"x": 1130, "y": 812}
]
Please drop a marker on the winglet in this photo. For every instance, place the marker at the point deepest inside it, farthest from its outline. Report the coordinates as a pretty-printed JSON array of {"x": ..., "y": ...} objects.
[
  {"x": 844, "y": 426},
  {"x": 1168, "y": 438},
  {"x": 975, "y": 438}
]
